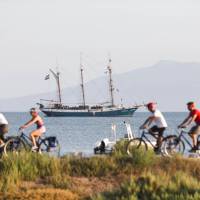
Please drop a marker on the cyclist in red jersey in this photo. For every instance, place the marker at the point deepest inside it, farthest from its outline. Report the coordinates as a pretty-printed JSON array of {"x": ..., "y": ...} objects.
[{"x": 194, "y": 116}]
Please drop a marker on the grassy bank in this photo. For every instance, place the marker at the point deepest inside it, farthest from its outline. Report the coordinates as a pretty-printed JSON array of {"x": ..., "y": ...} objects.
[{"x": 142, "y": 176}]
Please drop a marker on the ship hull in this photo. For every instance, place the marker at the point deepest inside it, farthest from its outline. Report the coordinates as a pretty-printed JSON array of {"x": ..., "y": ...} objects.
[{"x": 125, "y": 112}]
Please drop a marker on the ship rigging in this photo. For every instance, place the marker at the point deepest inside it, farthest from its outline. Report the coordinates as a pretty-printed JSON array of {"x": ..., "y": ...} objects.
[{"x": 58, "y": 108}]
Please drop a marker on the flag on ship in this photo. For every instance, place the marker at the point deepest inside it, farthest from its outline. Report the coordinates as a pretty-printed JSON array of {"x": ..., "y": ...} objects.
[{"x": 47, "y": 77}]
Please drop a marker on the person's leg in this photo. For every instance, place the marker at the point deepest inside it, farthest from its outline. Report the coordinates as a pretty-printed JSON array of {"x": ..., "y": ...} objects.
[
  {"x": 153, "y": 131},
  {"x": 193, "y": 134},
  {"x": 34, "y": 135},
  {"x": 160, "y": 137}
]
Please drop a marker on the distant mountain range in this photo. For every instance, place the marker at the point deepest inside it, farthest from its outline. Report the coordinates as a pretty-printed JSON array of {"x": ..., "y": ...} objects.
[{"x": 171, "y": 84}]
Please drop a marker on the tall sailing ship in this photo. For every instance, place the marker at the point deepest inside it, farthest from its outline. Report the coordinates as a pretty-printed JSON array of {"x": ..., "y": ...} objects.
[{"x": 59, "y": 109}]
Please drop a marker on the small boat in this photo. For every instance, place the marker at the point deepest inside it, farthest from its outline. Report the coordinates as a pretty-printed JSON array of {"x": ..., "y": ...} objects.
[
  {"x": 107, "y": 145},
  {"x": 59, "y": 109}
]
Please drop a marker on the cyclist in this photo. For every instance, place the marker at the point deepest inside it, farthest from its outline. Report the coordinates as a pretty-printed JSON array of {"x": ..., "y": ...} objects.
[
  {"x": 36, "y": 119},
  {"x": 159, "y": 126},
  {"x": 194, "y": 116},
  {"x": 3, "y": 129}
]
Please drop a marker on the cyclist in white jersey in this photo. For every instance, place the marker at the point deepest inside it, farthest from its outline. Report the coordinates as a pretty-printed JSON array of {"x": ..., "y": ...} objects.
[
  {"x": 3, "y": 128},
  {"x": 159, "y": 124}
]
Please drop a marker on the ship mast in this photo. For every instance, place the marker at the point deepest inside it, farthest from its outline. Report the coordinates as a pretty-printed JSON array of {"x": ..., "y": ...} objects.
[
  {"x": 111, "y": 87},
  {"x": 57, "y": 77},
  {"x": 82, "y": 81}
]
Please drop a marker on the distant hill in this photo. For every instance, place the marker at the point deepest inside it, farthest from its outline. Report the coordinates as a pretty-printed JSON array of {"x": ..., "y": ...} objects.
[{"x": 169, "y": 83}]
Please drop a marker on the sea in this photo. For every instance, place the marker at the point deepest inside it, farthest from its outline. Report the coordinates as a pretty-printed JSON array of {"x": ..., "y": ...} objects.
[{"x": 81, "y": 134}]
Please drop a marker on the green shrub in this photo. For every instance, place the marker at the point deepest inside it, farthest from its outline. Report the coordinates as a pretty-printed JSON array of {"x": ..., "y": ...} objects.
[
  {"x": 26, "y": 167},
  {"x": 31, "y": 165},
  {"x": 153, "y": 177},
  {"x": 156, "y": 187},
  {"x": 94, "y": 166},
  {"x": 143, "y": 158},
  {"x": 61, "y": 182},
  {"x": 120, "y": 148}
]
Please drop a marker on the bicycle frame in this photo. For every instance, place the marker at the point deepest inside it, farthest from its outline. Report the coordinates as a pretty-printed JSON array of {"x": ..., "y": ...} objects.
[
  {"x": 145, "y": 137},
  {"x": 27, "y": 140},
  {"x": 181, "y": 135}
]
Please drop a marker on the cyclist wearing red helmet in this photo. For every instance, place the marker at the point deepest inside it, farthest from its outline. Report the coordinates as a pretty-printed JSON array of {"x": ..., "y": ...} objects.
[
  {"x": 159, "y": 122},
  {"x": 194, "y": 116}
]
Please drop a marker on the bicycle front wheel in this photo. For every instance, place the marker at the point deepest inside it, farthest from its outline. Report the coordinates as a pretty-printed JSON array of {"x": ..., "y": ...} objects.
[
  {"x": 136, "y": 144},
  {"x": 14, "y": 145},
  {"x": 173, "y": 145}
]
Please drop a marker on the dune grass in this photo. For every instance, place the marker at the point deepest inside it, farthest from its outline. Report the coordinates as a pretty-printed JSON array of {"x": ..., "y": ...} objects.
[
  {"x": 150, "y": 186},
  {"x": 36, "y": 194},
  {"x": 152, "y": 177}
]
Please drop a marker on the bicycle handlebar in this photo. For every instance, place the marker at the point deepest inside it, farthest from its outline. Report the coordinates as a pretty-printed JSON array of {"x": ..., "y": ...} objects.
[
  {"x": 182, "y": 128},
  {"x": 144, "y": 130},
  {"x": 20, "y": 131}
]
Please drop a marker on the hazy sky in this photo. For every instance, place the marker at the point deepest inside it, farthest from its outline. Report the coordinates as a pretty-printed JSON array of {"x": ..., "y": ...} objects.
[{"x": 137, "y": 33}]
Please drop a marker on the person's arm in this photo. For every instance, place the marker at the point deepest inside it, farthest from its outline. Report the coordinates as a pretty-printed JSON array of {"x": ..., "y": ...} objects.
[
  {"x": 191, "y": 120},
  {"x": 29, "y": 123},
  {"x": 148, "y": 122},
  {"x": 188, "y": 121}
]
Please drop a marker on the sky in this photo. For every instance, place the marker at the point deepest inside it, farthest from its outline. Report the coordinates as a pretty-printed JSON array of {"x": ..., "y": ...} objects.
[{"x": 36, "y": 35}]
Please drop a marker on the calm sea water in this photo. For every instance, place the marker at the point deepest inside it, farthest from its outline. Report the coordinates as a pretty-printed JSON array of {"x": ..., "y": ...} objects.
[{"x": 80, "y": 134}]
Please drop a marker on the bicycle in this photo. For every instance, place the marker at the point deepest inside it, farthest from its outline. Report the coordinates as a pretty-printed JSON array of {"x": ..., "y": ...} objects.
[
  {"x": 143, "y": 142},
  {"x": 16, "y": 144},
  {"x": 176, "y": 144},
  {"x": 3, "y": 146}
]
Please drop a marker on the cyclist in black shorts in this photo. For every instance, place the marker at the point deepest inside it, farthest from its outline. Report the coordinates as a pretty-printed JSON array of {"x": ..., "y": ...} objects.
[{"x": 159, "y": 122}]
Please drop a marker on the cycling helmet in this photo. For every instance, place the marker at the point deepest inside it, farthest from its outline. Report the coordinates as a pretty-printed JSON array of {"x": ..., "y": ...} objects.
[{"x": 151, "y": 105}]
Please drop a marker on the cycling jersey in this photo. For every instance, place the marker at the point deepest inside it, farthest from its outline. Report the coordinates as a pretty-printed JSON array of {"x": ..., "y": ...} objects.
[
  {"x": 39, "y": 124},
  {"x": 196, "y": 112},
  {"x": 160, "y": 121},
  {"x": 3, "y": 120}
]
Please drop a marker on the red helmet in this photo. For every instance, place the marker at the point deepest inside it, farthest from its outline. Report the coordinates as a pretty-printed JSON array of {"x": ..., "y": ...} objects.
[{"x": 151, "y": 105}]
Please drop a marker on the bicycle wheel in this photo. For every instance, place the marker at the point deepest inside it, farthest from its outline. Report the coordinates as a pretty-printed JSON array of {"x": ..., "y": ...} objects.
[
  {"x": 14, "y": 145},
  {"x": 173, "y": 145},
  {"x": 46, "y": 148},
  {"x": 136, "y": 144}
]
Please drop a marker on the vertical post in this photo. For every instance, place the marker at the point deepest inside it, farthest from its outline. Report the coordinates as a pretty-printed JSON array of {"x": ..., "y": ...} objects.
[
  {"x": 111, "y": 88},
  {"x": 82, "y": 81}
]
